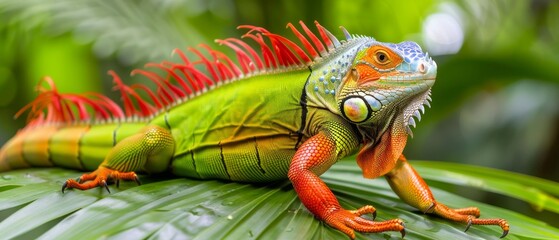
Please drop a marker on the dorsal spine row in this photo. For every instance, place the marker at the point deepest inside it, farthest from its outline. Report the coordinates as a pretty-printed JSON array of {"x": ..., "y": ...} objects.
[{"x": 184, "y": 80}]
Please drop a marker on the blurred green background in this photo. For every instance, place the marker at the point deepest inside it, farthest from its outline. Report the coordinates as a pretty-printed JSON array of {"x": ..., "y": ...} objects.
[{"x": 495, "y": 103}]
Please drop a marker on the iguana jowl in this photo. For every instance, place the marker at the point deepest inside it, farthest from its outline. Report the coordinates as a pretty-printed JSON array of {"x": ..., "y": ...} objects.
[{"x": 286, "y": 110}]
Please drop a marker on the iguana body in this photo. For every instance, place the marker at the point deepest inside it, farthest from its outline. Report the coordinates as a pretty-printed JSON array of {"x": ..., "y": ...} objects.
[{"x": 282, "y": 112}]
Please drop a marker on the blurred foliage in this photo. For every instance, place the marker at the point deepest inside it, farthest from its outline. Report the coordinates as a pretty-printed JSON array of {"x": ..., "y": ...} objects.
[{"x": 495, "y": 100}]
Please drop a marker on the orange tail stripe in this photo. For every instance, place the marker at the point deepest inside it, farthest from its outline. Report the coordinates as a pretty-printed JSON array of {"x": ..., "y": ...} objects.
[
  {"x": 35, "y": 146},
  {"x": 12, "y": 154}
]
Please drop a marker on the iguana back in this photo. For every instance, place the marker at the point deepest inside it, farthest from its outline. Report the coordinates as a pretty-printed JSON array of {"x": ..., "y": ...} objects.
[{"x": 245, "y": 131}]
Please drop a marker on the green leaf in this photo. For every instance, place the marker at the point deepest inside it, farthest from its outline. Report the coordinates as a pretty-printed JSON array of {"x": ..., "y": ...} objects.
[{"x": 187, "y": 208}]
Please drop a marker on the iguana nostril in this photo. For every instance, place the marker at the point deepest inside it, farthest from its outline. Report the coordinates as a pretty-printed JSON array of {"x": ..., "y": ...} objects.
[{"x": 421, "y": 68}]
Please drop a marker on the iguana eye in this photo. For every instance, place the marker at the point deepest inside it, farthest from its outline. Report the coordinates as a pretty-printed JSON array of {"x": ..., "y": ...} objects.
[{"x": 381, "y": 57}]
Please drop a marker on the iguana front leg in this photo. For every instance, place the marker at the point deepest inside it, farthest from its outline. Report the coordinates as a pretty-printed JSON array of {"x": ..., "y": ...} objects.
[
  {"x": 312, "y": 159},
  {"x": 411, "y": 188},
  {"x": 150, "y": 149}
]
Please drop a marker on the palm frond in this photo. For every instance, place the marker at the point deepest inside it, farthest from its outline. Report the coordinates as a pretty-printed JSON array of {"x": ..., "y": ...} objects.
[{"x": 185, "y": 208}]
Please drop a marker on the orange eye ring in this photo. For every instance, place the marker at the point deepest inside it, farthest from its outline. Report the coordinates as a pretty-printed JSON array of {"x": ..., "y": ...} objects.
[{"x": 382, "y": 57}]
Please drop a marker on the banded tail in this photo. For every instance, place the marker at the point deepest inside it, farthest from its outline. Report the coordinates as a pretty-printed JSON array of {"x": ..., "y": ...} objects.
[
  {"x": 80, "y": 146},
  {"x": 60, "y": 131}
]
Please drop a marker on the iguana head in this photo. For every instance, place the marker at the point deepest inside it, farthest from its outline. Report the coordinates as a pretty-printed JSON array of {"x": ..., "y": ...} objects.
[
  {"x": 386, "y": 79},
  {"x": 382, "y": 88}
]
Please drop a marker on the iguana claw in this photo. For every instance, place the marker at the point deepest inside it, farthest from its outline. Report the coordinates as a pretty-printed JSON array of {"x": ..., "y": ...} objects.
[
  {"x": 505, "y": 232},
  {"x": 64, "y": 186},
  {"x": 137, "y": 180},
  {"x": 469, "y": 225},
  {"x": 104, "y": 183}
]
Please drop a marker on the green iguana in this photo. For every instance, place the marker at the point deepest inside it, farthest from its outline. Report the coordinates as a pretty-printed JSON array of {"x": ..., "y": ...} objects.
[{"x": 285, "y": 110}]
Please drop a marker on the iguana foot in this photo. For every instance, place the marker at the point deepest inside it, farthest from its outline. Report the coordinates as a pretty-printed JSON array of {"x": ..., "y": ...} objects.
[
  {"x": 468, "y": 216},
  {"x": 99, "y": 178},
  {"x": 411, "y": 188},
  {"x": 350, "y": 221}
]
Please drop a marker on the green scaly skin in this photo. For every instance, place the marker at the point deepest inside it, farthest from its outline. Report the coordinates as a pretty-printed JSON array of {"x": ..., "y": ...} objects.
[{"x": 292, "y": 122}]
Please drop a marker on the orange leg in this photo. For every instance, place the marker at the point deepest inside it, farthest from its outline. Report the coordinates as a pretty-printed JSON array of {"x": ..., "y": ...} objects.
[
  {"x": 313, "y": 158},
  {"x": 411, "y": 188},
  {"x": 150, "y": 149},
  {"x": 100, "y": 177}
]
